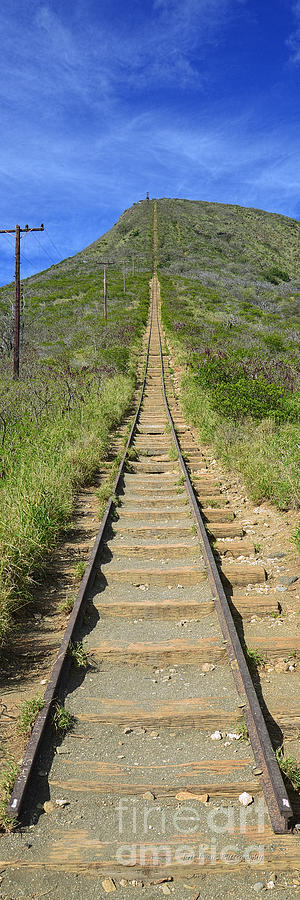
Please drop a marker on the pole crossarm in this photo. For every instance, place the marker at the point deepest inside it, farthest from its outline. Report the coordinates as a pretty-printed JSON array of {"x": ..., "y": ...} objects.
[{"x": 26, "y": 229}]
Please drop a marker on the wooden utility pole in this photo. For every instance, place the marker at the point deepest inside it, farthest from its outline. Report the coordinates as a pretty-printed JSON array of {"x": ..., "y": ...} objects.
[
  {"x": 105, "y": 263},
  {"x": 124, "y": 278},
  {"x": 17, "y": 231},
  {"x": 104, "y": 293}
]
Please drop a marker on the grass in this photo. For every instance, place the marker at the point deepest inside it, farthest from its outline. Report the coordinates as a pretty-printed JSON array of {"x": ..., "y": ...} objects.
[
  {"x": 78, "y": 654},
  {"x": 49, "y": 461},
  {"x": 132, "y": 453},
  {"x": 289, "y": 768},
  {"x": 62, "y": 720},
  {"x": 79, "y": 570},
  {"x": 241, "y": 728},
  {"x": 296, "y": 537},
  {"x": 29, "y": 711},
  {"x": 265, "y": 455},
  {"x": 77, "y": 381},
  {"x": 172, "y": 454},
  {"x": 255, "y": 658},
  {"x": 7, "y": 780},
  {"x": 67, "y": 605}
]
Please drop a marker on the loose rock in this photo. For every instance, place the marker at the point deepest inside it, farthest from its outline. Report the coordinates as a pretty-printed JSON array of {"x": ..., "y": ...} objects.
[
  {"x": 48, "y": 806},
  {"x": 108, "y": 885},
  {"x": 288, "y": 579},
  {"x": 245, "y": 799},
  {"x": 216, "y": 736},
  {"x": 276, "y": 555}
]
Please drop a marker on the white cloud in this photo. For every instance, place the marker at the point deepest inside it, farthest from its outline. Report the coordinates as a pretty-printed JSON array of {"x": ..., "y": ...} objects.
[{"x": 293, "y": 41}]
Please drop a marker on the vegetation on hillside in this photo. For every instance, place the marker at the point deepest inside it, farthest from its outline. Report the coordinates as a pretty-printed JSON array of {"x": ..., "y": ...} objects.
[
  {"x": 77, "y": 378},
  {"x": 230, "y": 282},
  {"x": 231, "y": 311}
]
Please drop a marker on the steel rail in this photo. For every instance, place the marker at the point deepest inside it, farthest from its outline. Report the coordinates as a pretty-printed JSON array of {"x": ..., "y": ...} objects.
[
  {"x": 62, "y": 662},
  {"x": 274, "y": 789}
]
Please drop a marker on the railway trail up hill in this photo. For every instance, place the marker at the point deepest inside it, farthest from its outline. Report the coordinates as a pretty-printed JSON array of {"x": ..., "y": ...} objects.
[{"x": 143, "y": 795}]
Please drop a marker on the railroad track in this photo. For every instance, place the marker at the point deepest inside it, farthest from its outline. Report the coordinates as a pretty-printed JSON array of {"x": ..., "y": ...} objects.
[{"x": 144, "y": 772}]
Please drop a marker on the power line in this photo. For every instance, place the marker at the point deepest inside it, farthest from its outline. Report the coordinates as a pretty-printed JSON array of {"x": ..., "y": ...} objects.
[
  {"x": 21, "y": 251},
  {"x": 44, "y": 250},
  {"x": 23, "y": 255},
  {"x": 52, "y": 242},
  {"x": 27, "y": 260}
]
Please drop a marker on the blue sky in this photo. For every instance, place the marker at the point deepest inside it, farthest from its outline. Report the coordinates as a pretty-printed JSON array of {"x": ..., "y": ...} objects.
[{"x": 104, "y": 101}]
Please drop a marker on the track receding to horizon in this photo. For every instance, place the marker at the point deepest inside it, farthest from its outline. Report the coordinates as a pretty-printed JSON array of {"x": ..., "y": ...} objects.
[{"x": 144, "y": 787}]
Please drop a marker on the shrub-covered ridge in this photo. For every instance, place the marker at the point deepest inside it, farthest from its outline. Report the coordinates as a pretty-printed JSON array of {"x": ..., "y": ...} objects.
[{"x": 231, "y": 311}]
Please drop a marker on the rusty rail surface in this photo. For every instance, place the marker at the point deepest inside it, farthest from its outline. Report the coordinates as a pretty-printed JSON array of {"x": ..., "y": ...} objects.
[
  {"x": 274, "y": 789},
  {"x": 62, "y": 661}
]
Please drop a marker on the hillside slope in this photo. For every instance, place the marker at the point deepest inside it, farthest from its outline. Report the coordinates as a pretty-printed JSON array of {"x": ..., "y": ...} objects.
[
  {"x": 62, "y": 317},
  {"x": 230, "y": 292},
  {"x": 77, "y": 379},
  {"x": 230, "y": 301}
]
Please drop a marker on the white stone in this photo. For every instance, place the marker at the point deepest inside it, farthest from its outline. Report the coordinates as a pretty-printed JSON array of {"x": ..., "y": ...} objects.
[
  {"x": 245, "y": 799},
  {"x": 216, "y": 736}
]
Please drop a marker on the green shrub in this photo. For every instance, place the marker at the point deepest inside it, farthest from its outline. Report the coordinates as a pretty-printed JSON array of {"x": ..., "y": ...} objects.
[
  {"x": 296, "y": 537},
  {"x": 29, "y": 711},
  {"x": 62, "y": 720},
  {"x": 274, "y": 275},
  {"x": 274, "y": 342},
  {"x": 266, "y": 455}
]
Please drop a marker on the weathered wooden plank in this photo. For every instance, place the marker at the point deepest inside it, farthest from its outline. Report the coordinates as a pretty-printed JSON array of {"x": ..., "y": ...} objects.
[
  {"x": 228, "y": 790},
  {"x": 172, "y": 610},
  {"x": 235, "y": 548},
  {"x": 184, "y": 575},
  {"x": 157, "y": 550},
  {"x": 241, "y": 573},
  {"x": 225, "y": 529},
  {"x": 163, "y": 512},
  {"x": 217, "y": 515},
  {"x": 155, "y": 530},
  {"x": 177, "y": 650}
]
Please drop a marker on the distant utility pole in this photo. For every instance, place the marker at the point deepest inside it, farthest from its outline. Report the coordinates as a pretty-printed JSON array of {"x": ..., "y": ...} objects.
[
  {"x": 105, "y": 264},
  {"x": 124, "y": 278},
  {"x": 133, "y": 263},
  {"x": 104, "y": 292},
  {"x": 17, "y": 231}
]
